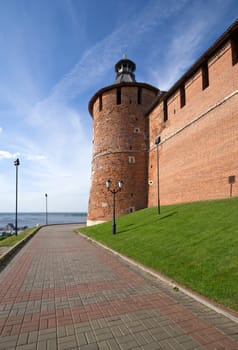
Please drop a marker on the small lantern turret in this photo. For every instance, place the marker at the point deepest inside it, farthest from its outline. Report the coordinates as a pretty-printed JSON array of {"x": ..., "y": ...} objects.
[{"x": 125, "y": 71}]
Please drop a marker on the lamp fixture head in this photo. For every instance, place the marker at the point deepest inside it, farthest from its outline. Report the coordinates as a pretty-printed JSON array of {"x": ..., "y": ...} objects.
[
  {"x": 17, "y": 162},
  {"x": 120, "y": 184},
  {"x": 108, "y": 183},
  {"x": 157, "y": 140}
]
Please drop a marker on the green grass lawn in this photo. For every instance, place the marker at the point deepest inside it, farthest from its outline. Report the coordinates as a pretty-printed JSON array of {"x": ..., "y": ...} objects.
[
  {"x": 195, "y": 244},
  {"x": 11, "y": 241}
]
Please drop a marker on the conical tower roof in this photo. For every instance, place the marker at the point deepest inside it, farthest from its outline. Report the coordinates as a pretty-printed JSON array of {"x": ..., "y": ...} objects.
[{"x": 125, "y": 71}]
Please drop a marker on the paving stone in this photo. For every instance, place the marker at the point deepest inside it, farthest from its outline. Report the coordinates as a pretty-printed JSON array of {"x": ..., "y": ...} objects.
[
  {"x": 47, "y": 335},
  {"x": 140, "y": 339},
  {"x": 99, "y": 302},
  {"x": 8, "y": 341},
  {"x": 129, "y": 345},
  {"x": 103, "y": 345},
  {"x": 103, "y": 334},
  {"x": 83, "y": 327},
  {"x": 32, "y": 346},
  {"x": 61, "y": 332},
  {"x": 82, "y": 339},
  {"x": 70, "y": 329},
  {"x": 124, "y": 330},
  {"x": 113, "y": 345},
  {"x": 67, "y": 342},
  {"x": 23, "y": 339},
  {"x": 116, "y": 331},
  {"x": 50, "y": 344},
  {"x": 90, "y": 337},
  {"x": 147, "y": 336},
  {"x": 125, "y": 339},
  {"x": 89, "y": 347}
]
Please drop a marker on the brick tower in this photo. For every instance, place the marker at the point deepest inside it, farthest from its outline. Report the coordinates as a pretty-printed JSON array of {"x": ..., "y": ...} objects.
[{"x": 121, "y": 140}]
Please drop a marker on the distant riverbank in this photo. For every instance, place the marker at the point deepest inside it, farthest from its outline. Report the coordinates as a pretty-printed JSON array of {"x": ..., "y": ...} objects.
[{"x": 33, "y": 219}]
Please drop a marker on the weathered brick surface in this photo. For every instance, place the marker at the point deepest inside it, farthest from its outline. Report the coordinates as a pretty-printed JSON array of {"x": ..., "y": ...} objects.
[
  {"x": 120, "y": 150},
  {"x": 199, "y": 144}
]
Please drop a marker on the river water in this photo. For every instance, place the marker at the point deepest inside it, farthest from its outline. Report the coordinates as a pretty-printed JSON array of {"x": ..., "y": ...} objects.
[{"x": 33, "y": 219}]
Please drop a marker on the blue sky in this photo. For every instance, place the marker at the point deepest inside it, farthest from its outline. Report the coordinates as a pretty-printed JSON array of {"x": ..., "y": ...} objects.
[{"x": 56, "y": 54}]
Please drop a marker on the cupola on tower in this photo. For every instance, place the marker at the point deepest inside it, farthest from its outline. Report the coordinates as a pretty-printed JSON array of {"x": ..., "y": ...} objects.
[{"x": 120, "y": 144}]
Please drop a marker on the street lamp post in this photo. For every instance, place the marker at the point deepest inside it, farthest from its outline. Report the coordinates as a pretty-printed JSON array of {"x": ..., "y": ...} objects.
[
  {"x": 16, "y": 163},
  {"x": 114, "y": 192},
  {"x": 157, "y": 142},
  {"x": 46, "y": 209}
]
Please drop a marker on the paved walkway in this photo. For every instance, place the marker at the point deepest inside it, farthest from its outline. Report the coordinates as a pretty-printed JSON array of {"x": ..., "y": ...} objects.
[
  {"x": 62, "y": 292},
  {"x": 3, "y": 250}
]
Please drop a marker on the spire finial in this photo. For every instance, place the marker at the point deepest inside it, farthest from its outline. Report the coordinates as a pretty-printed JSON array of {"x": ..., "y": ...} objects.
[{"x": 124, "y": 56}]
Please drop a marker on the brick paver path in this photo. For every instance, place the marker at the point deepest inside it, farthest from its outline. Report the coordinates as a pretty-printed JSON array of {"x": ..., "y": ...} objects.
[{"x": 62, "y": 292}]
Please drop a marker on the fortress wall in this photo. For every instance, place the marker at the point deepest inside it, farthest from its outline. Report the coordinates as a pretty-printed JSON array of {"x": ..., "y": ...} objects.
[
  {"x": 199, "y": 148},
  {"x": 222, "y": 82},
  {"x": 120, "y": 150}
]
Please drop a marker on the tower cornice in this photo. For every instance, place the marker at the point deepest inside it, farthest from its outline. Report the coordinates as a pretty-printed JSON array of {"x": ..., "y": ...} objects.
[{"x": 114, "y": 86}]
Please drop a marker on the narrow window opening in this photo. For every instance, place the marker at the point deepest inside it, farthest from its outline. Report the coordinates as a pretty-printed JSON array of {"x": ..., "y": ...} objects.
[
  {"x": 234, "y": 48},
  {"x": 205, "y": 76},
  {"x": 118, "y": 96},
  {"x": 139, "y": 95},
  {"x": 100, "y": 103},
  {"x": 165, "y": 111},
  {"x": 131, "y": 160},
  {"x": 182, "y": 96}
]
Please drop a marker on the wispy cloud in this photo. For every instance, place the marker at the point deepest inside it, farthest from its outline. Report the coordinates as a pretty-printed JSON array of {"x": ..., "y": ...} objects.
[
  {"x": 99, "y": 58},
  {"x": 186, "y": 42},
  {"x": 8, "y": 155},
  {"x": 180, "y": 56}
]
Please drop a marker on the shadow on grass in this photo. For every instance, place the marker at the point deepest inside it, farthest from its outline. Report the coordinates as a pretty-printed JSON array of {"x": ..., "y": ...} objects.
[
  {"x": 168, "y": 215},
  {"x": 134, "y": 226}
]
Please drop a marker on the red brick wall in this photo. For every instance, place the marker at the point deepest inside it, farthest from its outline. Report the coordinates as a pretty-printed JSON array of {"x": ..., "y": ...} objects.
[
  {"x": 199, "y": 147},
  {"x": 120, "y": 132}
]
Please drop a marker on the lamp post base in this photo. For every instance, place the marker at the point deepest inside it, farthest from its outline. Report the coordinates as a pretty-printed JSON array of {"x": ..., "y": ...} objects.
[
  {"x": 158, "y": 207},
  {"x": 114, "y": 228}
]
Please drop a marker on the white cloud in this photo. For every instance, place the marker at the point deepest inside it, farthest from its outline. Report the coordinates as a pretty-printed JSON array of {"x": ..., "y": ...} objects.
[
  {"x": 56, "y": 158},
  {"x": 8, "y": 155},
  {"x": 35, "y": 157}
]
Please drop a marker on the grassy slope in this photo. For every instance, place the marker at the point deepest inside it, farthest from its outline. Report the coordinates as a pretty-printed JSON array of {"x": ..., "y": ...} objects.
[
  {"x": 11, "y": 241},
  {"x": 195, "y": 244}
]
